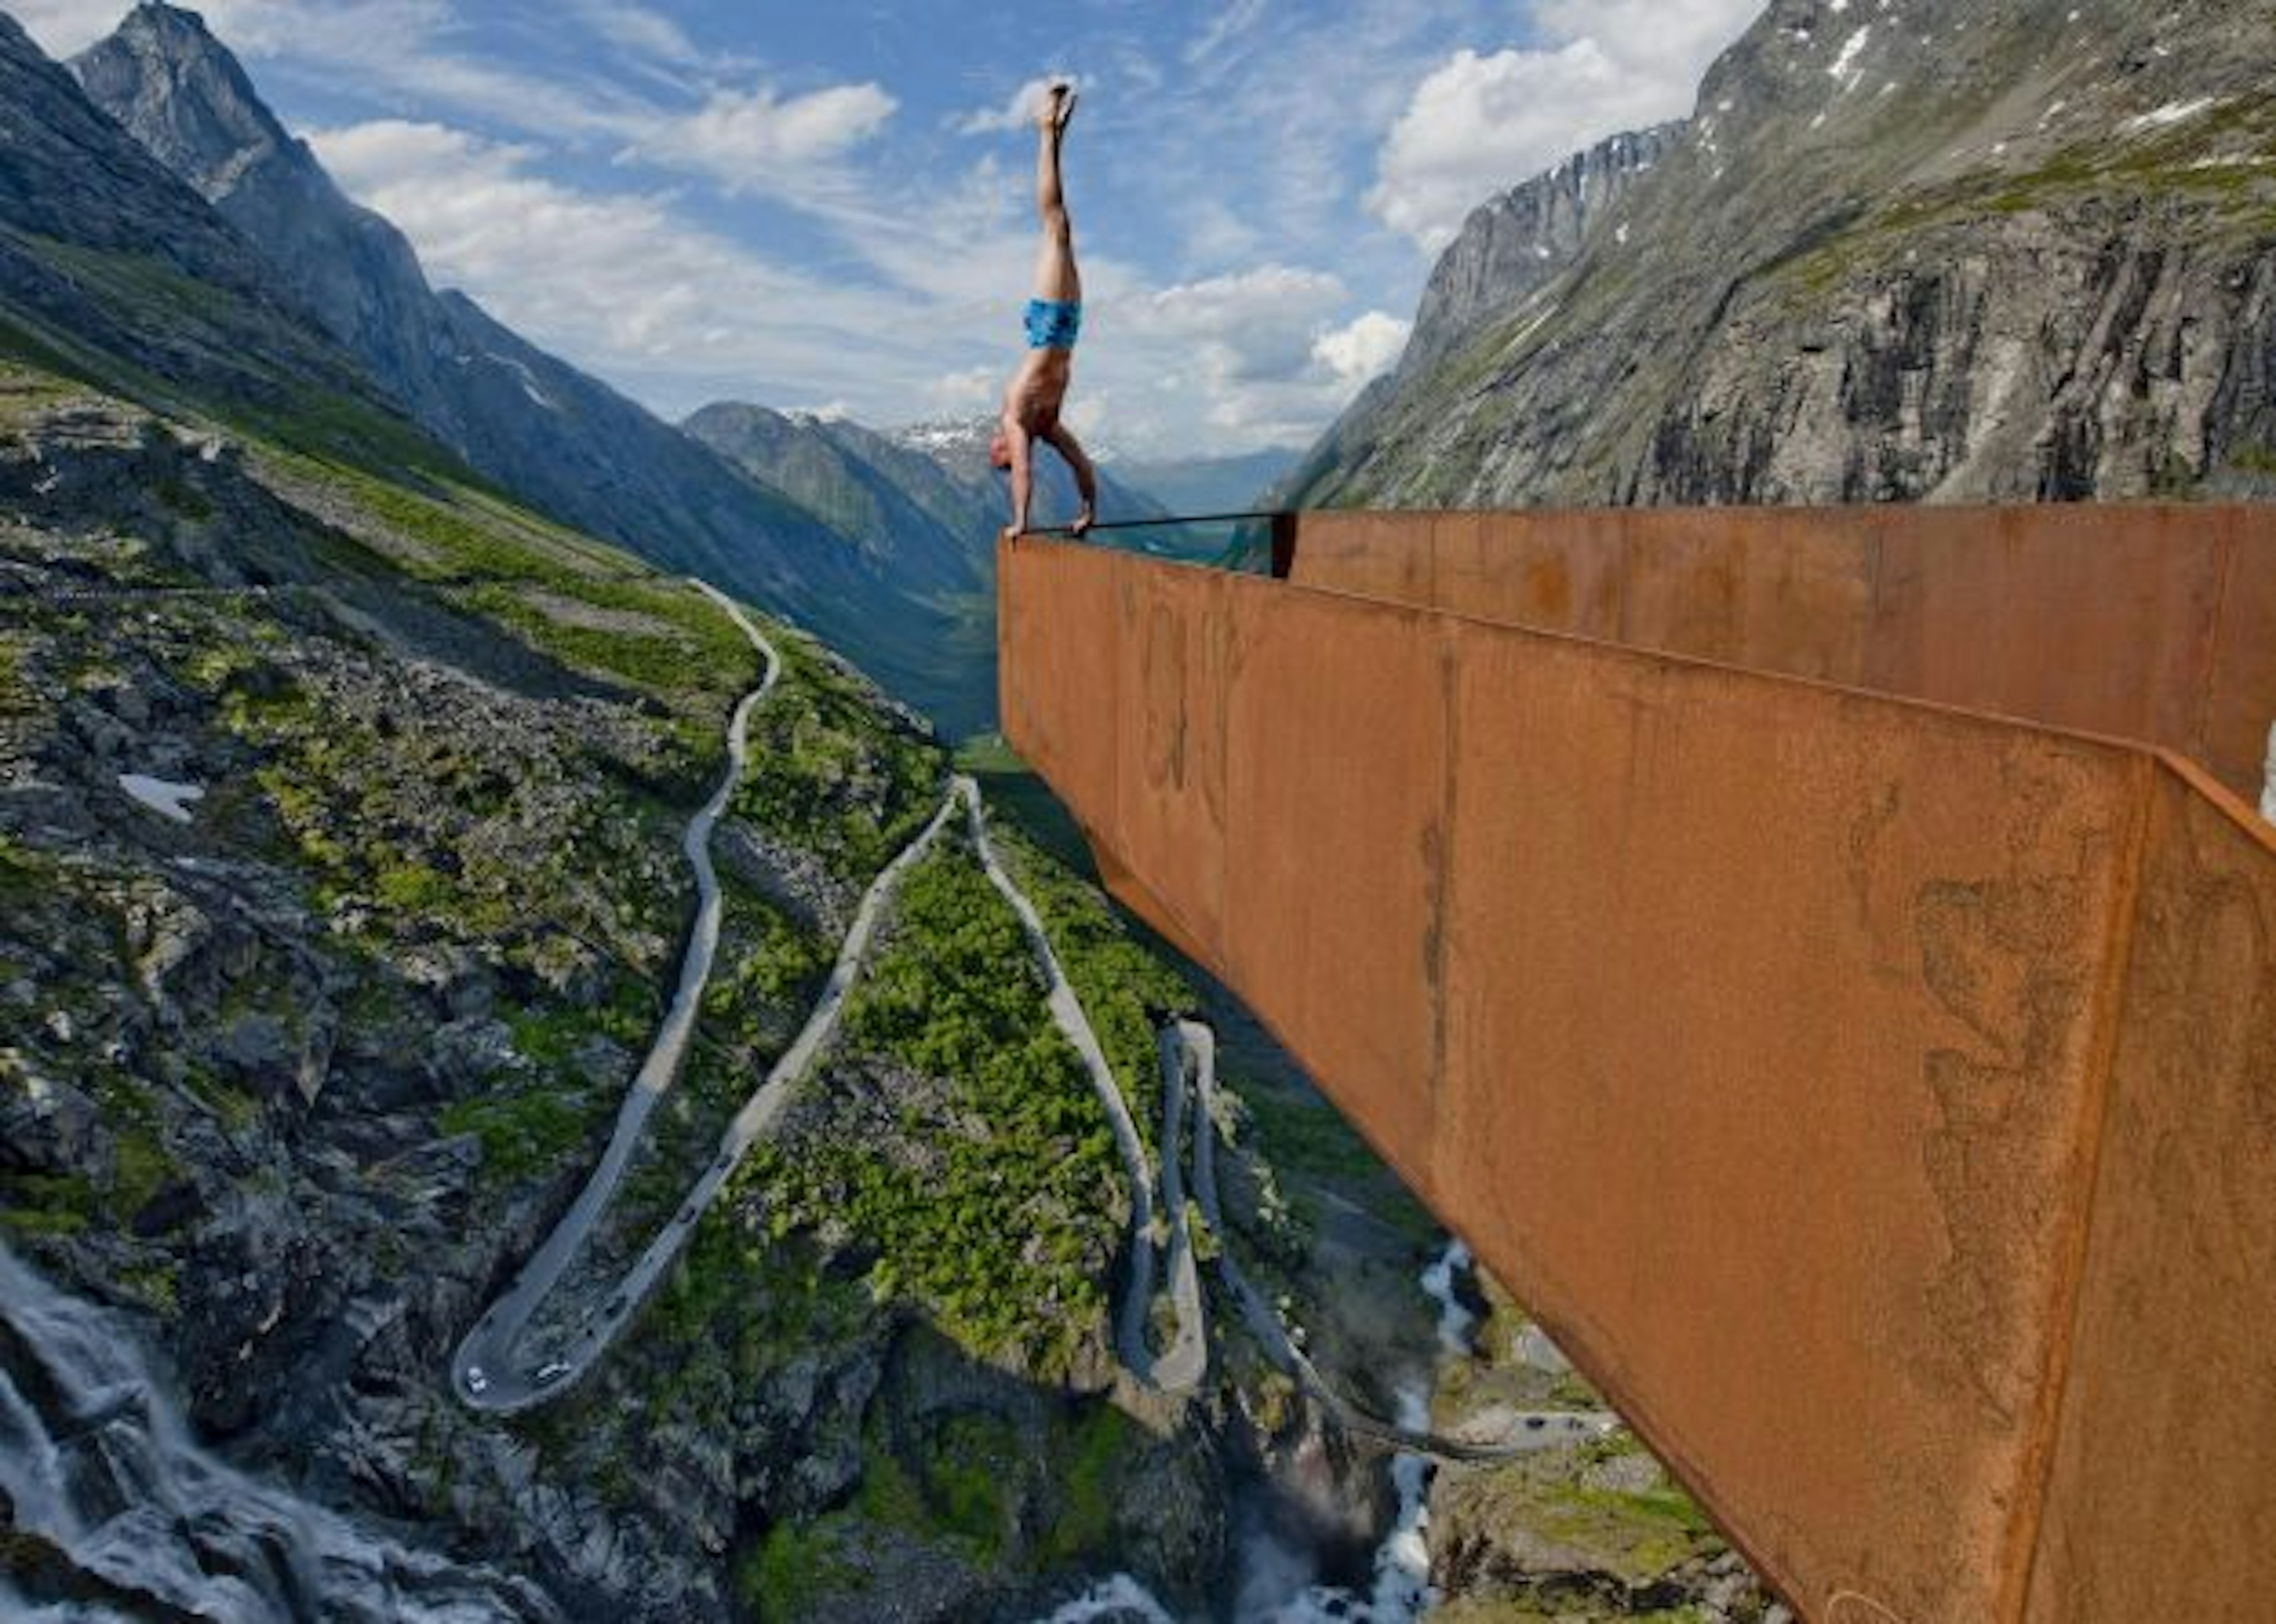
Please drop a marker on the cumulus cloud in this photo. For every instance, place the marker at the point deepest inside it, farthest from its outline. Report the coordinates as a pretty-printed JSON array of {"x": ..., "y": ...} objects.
[
  {"x": 1268, "y": 300},
  {"x": 748, "y": 139},
  {"x": 618, "y": 279},
  {"x": 1256, "y": 357},
  {"x": 970, "y": 391},
  {"x": 1481, "y": 122},
  {"x": 1371, "y": 344}
]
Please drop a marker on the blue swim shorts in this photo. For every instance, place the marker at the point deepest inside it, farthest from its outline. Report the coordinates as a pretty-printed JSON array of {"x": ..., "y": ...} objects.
[{"x": 1054, "y": 324}]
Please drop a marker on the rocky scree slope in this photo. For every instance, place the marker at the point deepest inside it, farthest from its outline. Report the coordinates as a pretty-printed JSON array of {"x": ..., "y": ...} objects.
[{"x": 1926, "y": 251}]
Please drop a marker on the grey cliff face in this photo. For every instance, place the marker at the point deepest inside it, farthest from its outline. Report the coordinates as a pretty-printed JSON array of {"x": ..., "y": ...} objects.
[
  {"x": 172, "y": 86},
  {"x": 97, "y": 237},
  {"x": 1525, "y": 236},
  {"x": 186, "y": 99},
  {"x": 2017, "y": 252},
  {"x": 122, "y": 198}
]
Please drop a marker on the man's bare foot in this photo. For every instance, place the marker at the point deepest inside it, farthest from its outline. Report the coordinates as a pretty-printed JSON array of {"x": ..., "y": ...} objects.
[{"x": 1058, "y": 107}]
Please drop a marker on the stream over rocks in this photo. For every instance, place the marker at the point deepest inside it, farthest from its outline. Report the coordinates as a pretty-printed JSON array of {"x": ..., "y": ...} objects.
[
  {"x": 1276, "y": 1581},
  {"x": 97, "y": 1465}
]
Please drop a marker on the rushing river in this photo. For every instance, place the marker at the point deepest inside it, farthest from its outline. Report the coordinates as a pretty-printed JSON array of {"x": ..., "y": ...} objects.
[
  {"x": 95, "y": 1460},
  {"x": 1276, "y": 1581}
]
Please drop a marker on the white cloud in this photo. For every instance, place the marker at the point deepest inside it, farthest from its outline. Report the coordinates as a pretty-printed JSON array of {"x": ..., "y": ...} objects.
[
  {"x": 1481, "y": 123},
  {"x": 970, "y": 391},
  {"x": 752, "y": 141},
  {"x": 641, "y": 29},
  {"x": 619, "y": 280},
  {"x": 1268, "y": 300},
  {"x": 1257, "y": 358},
  {"x": 1230, "y": 24},
  {"x": 1668, "y": 44},
  {"x": 1371, "y": 344}
]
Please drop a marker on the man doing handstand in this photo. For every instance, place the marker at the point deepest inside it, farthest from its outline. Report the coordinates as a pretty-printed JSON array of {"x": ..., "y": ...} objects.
[{"x": 1031, "y": 404}]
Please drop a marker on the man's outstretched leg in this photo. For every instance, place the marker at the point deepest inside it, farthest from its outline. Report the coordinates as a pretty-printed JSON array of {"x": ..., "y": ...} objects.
[{"x": 1056, "y": 276}]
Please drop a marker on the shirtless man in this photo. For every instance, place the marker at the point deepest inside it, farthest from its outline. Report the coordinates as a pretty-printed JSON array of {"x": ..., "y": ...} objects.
[{"x": 1031, "y": 404}]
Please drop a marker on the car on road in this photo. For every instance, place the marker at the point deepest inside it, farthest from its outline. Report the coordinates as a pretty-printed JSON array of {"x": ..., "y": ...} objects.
[
  {"x": 477, "y": 1383},
  {"x": 549, "y": 1374},
  {"x": 687, "y": 1215}
]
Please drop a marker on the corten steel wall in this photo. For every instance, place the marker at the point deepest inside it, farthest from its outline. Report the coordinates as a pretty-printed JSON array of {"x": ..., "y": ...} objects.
[
  {"x": 1878, "y": 1100},
  {"x": 2151, "y": 623}
]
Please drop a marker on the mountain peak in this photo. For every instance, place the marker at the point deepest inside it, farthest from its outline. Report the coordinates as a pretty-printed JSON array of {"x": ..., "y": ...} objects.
[
  {"x": 157, "y": 21},
  {"x": 186, "y": 97}
]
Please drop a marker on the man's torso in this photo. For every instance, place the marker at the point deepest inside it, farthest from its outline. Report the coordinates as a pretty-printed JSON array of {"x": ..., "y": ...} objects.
[{"x": 1038, "y": 389}]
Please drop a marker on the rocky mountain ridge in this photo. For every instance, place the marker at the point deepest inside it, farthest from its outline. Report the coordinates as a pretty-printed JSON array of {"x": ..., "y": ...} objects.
[
  {"x": 96, "y": 237},
  {"x": 1515, "y": 243},
  {"x": 1931, "y": 252},
  {"x": 524, "y": 418}
]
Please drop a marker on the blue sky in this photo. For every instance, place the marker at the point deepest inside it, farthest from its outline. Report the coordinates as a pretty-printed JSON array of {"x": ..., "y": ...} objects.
[{"x": 827, "y": 206}]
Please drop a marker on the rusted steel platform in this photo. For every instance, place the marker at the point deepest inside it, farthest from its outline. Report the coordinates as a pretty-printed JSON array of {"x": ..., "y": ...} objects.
[{"x": 1878, "y": 1097}]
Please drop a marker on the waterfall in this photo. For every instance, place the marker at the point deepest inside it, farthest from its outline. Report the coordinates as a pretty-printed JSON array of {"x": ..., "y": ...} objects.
[
  {"x": 96, "y": 1460},
  {"x": 1275, "y": 1581}
]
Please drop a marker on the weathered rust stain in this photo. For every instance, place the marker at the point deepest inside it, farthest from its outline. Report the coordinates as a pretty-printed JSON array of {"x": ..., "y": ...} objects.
[{"x": 1165, "y": 698}]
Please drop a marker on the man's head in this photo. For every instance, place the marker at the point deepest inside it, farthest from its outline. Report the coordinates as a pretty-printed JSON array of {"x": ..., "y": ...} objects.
[{"x": 999, "y": 450}]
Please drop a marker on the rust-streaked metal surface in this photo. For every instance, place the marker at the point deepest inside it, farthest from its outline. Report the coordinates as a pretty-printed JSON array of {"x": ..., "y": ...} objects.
[
  {"x": 2160, "y": 1505},
  {"x": 1877, "y": 1098},
  {"x": 2155, "y": 623}
]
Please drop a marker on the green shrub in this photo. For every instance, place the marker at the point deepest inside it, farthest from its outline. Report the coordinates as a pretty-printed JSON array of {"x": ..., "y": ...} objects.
[
  {"x": 1007, "y": 1205},
  {"x": 832, "y": 774}
]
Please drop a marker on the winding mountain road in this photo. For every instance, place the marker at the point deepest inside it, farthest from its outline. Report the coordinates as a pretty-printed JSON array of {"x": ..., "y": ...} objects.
[
  {"x": 1180, "y": 1367},
  {"x": 491, "y": 1372},
  {"x": 484, "y": 1371}
]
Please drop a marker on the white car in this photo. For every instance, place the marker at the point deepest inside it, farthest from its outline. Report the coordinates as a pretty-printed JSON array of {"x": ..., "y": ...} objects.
[
  {"x": 549, "y": 1374},
  {"x": 477, "y": 1383}
]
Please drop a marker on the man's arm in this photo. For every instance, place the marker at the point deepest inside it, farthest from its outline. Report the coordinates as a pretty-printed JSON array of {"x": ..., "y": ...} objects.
[
  {"x": 1022, "y": 470},
  {"x": 1086, "y": 477}
]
